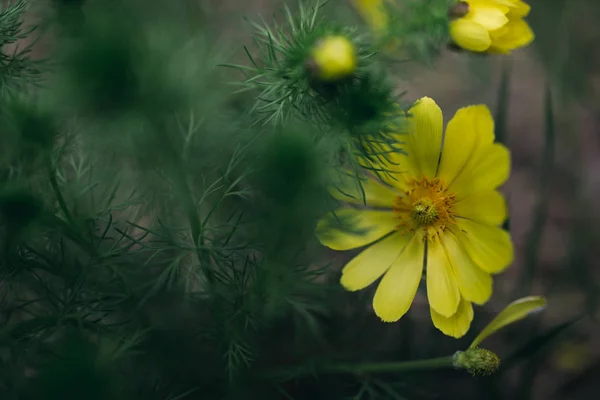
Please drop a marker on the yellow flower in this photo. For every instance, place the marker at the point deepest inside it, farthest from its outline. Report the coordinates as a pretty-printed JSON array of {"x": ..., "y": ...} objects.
[
  {"x": 376, "y": 14},
  {"x": 439, "y": 212},
  {"x": 333, "y": 58},
  {"x": 495, "y": 26},
  {"x": 373, "y": 12},
  {"x": 571, "y": 356}
]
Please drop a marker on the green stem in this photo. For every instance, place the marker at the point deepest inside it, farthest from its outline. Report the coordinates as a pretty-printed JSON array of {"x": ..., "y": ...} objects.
[
  {"x": 501, "y": 117},
  {"x": 540, "y": 212},
  {"x": 195, "y": 228},
  {"x": 401, "y": 366},
  {"x": 187, "y": 197},
  {"x": 364, "y": 368},
  {"x": 59, "y": 197}
]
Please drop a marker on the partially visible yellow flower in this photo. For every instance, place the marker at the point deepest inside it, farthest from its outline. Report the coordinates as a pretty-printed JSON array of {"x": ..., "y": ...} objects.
[
  {"x": 439, "y": 212},
  {"x": 333, "y": 58},
  {"x": 571, "y": 356},
  {"x": 495, "y": 26},
  {"x": 374, "y": 13}
]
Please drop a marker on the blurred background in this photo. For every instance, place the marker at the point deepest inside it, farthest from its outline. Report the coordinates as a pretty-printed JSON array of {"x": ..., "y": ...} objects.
[{"x": 553, "y": 197}]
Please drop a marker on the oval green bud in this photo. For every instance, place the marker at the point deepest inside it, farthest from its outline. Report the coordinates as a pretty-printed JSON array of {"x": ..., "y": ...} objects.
[{"x": 477, "y": 361}]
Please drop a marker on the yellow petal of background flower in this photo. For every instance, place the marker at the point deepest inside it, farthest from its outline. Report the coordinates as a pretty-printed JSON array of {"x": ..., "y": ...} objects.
[
  {"x": 442, "y": 289},
  {"x": 489, "y": 247},
  {"x": 425, "y": 138},
  {"x": 515, "y": 311},
  {"x": 470, "y": 35},
  {"x": 371, "y": 263},
  {"x": 399, "y": 285},
  {"x": 490, "y": 17},
  {"x": 347, "y": 188},
  {"x": 486, "y": 207},
  {"x": 373, "y": 12},
  {"x": 474, "y": 284},
  {"x": 515, "y": 34},
  {"x": 456, "y": 325},
  {"x": 350, "y": 228},
  {"x": 488, "y": 170},
  {"x": 516, "y": 8},
  {"x": 520, "y": 10},
  {"x": 468, "y": 131}
]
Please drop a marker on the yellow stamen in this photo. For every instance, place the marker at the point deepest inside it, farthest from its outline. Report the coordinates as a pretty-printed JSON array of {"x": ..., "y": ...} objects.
[{"x": 427, "y": 207}]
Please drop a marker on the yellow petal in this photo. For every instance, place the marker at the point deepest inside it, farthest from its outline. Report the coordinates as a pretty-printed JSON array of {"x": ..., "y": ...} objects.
[
  {"x": 373, "y": 12},
  {"x": 488, "y": 246},
  {"x": 425, "y": 139},
  {"x": 488, "y": 170},
  {"x": 391, "y": 166},
  {"x": 490, "y": 17},
  {"x": 470, "y": 35},
  {"x": 474, "y": 284},
  {"x": 456, "y": 325},
  {"x": 486, "y": 207},
  {"x": 520, "y": 10},
  {"x": 442, "y": 290},
  {"x": 500, "y": 4},
  {"x": 512, "y": 36},
  {"x": 350, "y": 228},
  {"x": 370, "y": 264},
  {"x": 467, "y": 133},
  {"x": 515, "y": 311},
  {"x": 348, "y": 189},
  {"x": 515, "y": 8},
  {"x": 399, "y": 285}
]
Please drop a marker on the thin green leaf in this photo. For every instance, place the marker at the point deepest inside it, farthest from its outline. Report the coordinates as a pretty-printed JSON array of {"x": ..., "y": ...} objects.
[{"x": 540, "y": 212}]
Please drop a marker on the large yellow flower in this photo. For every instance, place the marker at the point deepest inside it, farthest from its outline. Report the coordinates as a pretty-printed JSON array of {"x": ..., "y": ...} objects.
[
  {"x": 495, "y": 26},
  {"x": 439, "y": 211}
]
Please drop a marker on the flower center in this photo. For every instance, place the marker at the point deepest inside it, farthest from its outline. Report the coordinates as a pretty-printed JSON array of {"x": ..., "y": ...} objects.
[
  {"x": 424, "y": 211},
  {"x": 427, "y": 207}
]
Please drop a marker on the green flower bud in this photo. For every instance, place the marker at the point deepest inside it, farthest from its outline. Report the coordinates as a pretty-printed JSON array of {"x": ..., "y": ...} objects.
[{"x": 477, "y": 361}]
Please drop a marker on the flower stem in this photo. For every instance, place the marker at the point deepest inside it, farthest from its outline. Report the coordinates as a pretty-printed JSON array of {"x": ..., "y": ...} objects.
[
  {"x": 363, "y": 368},
  {"x": 59, "y": 197},
  {"x": 401, "y": 366},
  {"x": 179, "y": 176}
]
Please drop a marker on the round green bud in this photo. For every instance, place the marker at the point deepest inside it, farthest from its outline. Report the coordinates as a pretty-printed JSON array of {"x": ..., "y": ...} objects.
[{"x": 333, "y": 58}]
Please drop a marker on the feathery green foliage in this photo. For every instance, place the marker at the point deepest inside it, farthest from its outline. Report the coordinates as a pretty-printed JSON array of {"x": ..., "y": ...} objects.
[
  {"x": 18, "y": 70},
  {"x": 157, "y": 224}
]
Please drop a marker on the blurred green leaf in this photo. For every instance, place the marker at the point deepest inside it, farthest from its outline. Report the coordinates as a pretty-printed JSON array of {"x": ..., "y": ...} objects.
[
  {"x": 585, "y": 381},
  {"x": 537, "y": 344},
  {"x": 503, "y": 99},
  {"x": 540, "y": 213}
]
